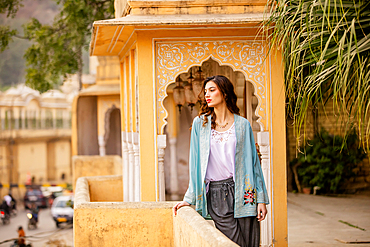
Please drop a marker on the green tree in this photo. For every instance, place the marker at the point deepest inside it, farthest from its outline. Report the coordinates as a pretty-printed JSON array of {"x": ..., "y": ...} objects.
[
  {"x": 56, "y": 49},
  {"x": 326, "y": 51}
]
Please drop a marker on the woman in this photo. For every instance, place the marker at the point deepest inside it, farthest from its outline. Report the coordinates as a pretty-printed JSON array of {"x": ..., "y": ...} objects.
[{"x": 226, "y": 179}]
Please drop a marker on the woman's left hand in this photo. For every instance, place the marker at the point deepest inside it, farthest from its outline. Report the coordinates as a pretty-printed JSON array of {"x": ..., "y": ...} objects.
[{"x": 261, "y": 211}]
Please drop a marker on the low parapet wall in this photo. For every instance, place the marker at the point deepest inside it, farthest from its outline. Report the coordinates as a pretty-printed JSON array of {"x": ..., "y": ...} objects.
[
  {"x": 98, "y": 223},
  {"x": 192, "y": 230},
  {"x": 94, "y": 165}
]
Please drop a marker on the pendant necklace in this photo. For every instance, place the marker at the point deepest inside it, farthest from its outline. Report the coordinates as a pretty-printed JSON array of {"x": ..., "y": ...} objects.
[{"x": 222, "y": 126}]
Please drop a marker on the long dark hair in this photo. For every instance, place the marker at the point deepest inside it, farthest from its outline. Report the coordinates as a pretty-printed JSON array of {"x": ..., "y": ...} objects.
[{"x": 227, "y": 90}]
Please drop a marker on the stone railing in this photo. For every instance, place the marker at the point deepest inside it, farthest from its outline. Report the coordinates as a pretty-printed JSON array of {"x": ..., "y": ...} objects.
[{"x": 102, "y": 219}]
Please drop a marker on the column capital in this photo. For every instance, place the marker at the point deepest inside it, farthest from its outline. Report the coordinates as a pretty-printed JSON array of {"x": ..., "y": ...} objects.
[
  {"x": 161, "y": 141},
  {"x": 263, "y": 138}
]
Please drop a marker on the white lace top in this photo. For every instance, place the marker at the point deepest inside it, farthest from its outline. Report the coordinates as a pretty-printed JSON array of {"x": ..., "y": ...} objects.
[{"x": 221, "y": 163}]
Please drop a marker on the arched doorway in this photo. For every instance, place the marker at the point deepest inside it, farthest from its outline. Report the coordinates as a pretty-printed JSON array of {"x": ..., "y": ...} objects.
[
  {"x": 178, "y": 124},
  {"x": 113, "y": 132}
]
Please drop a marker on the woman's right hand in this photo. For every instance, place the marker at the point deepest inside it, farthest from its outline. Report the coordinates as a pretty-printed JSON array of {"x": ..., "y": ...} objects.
[{"x": 179, "y": 205}]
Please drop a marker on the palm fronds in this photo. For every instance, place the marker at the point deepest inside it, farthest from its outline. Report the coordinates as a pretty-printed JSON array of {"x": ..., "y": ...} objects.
[{"x": 326, "y": 50}]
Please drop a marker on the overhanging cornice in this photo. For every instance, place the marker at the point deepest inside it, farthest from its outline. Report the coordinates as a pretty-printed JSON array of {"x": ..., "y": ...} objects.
[{"x": 110, "y": 36}]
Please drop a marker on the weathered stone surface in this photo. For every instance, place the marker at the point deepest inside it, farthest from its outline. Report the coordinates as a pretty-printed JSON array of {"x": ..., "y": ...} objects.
[{"x": 86, "y": 166}]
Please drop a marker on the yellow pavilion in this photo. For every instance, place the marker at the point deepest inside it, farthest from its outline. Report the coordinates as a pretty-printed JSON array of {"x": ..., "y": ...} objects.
[{"x": 159, "y": 45}]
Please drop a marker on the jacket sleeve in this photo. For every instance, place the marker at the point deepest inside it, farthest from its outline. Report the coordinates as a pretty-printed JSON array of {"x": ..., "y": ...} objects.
[
  {"x": 262, "y": 196},
  {"x": 193, "y": 161}
]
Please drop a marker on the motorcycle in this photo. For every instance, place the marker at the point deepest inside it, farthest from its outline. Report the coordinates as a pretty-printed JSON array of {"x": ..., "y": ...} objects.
[
  {"x": 5, "y": 218},
  {"x": 32, "y": 221},
  {"x": 15, "y": 244},
  {"x": 13, "y": 209}
]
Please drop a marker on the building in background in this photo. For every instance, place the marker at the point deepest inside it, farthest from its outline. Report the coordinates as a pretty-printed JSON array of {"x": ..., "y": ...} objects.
[
  {"x": 96, "y": 122},
  {"x": 35, "y": 136}
]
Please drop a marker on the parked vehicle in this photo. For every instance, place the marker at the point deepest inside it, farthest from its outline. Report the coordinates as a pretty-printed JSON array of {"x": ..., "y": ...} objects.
[
  {"x": 5, "y": 217},
  {"x": 51, "y": 193},
  {"x": 62, "y": 210},
  {"x": 35, "y": 196}
]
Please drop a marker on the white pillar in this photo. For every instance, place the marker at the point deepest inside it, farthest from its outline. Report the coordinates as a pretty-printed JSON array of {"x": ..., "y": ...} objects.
[
  {"x": 137, "y": 166},
  {"x": 161, "y": 179},
  {"x": 10, "y": 119},
  {"x": 2, "y": 119},
  {"x": 54, "y": 114},
  {"x": 263, "y": 141},
  {"x": 101, "y": 143},
  {"x": 42, "y": 117},
  {"x": 38, "y": 119},
  {"x": 125, "y": 168},
  {"x": 16, "y": 119},
  {"x": 131, "y": 169},
  {"x": 174, "y": 179},
  {"x": 65, "y": 119}
]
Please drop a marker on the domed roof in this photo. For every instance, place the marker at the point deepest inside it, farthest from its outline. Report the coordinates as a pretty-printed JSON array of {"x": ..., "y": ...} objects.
[
  {"x": 19, "y": 95},
  {"x": 53, "y": 94},
  {"x": 21, "y": 90}
]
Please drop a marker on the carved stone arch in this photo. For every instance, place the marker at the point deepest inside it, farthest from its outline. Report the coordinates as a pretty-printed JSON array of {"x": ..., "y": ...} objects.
[
  {"x": 107, "y": 121},
  {"x": 245, "y": 56}
]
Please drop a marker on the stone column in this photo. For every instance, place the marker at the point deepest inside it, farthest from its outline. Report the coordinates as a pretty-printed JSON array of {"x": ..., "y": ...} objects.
[
  {"x": 42, "y": 119},
  {"x": 16, "y": 119},
  {"x": 161, "y": 142},
  {"x": 174, "y": 179},
  {"x": 131, "y": 167},
  {"x": 125, "y": 171},
  {"x": 264, "y": 144},
  {"x": 137, "y": 166},
  {"x": 10, "y": 116},
  {"x": 37, "y": 119},
  {"x": 66, "y": 119},
  {"x": 54, "y": 118},
  {"x": 2, "y": 119},
  {"x": 101, "y": 143}
]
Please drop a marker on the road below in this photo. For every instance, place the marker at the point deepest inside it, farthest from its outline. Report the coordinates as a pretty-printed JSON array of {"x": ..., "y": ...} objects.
[{"x": 46, "y": 234}]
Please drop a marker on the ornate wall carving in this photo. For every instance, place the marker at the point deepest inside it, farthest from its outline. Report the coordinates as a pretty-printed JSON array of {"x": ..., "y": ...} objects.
[{"x": 176, "y": 57}]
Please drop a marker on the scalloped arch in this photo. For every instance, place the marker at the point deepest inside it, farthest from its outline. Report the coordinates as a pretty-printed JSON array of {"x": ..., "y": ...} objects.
[{"x": 175, "y": 58}]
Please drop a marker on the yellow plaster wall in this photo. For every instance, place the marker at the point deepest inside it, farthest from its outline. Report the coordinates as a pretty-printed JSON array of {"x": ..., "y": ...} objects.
[
  {"x": 108, "y": 71},
  {"x": 4, "y": 177},
  {"x": 122, "y": 225},
  {"x": 63, "y": 160},
  {"x": 104, "y": 103},
  {"x": 176, "y": 7},
  {"x": 278, "y": 150},
  {"x": 121, "y": 98},
  {"x": 133, "y": 89},
  {"x": 199, "y": 10},
  {"x": 32, "y": 158},
  {"x": 74, "y": 134},
  {"x": 126, "y": 94},
  {"x": 92, "y": 165},
  {"x": 147, "y": 128},
  {"x": 106, "y": 189},
  {"x": 114, "y": 223}
]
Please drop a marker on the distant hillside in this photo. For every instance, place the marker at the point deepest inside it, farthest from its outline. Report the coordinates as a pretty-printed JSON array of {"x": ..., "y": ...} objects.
[{"x": 12, "y": 63}]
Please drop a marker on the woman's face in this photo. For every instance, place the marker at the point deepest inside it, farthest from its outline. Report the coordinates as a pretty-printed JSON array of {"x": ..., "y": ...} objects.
[{"x": 213, "y": 95}]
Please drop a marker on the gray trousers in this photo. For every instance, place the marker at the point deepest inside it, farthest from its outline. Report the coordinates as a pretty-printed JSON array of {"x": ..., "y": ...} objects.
[{"x": 220, "y": 204}]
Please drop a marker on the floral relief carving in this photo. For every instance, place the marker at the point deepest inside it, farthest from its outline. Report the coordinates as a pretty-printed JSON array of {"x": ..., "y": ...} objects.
[{"x": 174, "y": 58}]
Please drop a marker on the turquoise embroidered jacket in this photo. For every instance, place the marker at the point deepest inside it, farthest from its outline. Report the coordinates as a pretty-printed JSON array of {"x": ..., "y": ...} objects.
[{"x": 250, "y": 186}]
